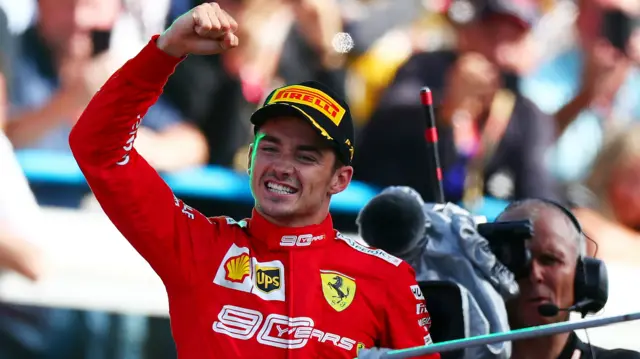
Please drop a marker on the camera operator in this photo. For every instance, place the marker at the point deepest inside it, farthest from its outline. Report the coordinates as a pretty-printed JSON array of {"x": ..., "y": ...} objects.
[
  {"x": 556, "y": 246},
  {"x": 441, "y": 243}
]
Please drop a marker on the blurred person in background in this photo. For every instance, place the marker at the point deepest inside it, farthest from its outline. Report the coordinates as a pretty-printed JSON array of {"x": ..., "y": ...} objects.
[
  {"x": 24, "y": 331},
  {"x": 492, "y": 139},
  {"x": 374, "y": 60},
  {"x": 17, "y": 204},
  {"x": 590, "y": 88},
  {"x": 610, "y": 206},
  {"x": 21, "y": 335},
  {"x": 555, "y": 248},
  {"x": 63, "y": 60}
]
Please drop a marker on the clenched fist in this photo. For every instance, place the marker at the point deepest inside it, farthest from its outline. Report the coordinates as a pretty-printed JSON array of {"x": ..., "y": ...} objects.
[{"x": 204, "y": 30}]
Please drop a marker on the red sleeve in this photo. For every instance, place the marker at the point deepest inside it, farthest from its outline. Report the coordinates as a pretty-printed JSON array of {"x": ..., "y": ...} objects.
[
  {"x": 407, "y": 321},
  {"x": 165, "y": 231}
]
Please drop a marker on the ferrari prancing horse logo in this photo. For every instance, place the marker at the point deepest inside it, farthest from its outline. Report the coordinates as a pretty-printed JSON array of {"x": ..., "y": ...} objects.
[{"x": 338, "y": 289}]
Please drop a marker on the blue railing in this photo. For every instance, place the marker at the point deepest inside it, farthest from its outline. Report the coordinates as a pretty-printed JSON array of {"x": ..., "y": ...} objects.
[{"x": 211, "y": 182}]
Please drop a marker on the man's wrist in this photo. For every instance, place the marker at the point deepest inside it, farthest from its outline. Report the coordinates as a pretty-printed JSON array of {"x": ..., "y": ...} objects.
[{"x": 163, "y": 45}]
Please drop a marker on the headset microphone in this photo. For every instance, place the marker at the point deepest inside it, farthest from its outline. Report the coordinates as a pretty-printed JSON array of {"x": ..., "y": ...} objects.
[
  {"x": 551, "y": 310},
  {"x": 548, "y": 310}
]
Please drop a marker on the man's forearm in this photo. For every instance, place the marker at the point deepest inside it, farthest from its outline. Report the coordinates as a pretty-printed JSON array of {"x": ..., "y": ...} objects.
[
  {"x": 567, "y": 114},
  {"x": 18, "y": 255},
  {"x": 28, "y": 127}
]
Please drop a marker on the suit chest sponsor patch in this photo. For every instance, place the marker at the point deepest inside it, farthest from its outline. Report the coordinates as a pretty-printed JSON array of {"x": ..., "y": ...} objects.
[{"x": 240, "y": 271}]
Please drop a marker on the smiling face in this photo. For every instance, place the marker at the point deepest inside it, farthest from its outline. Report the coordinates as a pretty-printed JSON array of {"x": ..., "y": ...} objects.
[
  {"x": 554, "y": 249},
  {"x": 294, "y": 173}
]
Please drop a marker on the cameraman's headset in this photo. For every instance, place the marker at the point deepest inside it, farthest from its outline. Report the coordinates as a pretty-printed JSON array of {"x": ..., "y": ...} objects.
[{"x": 591, "y": 283}]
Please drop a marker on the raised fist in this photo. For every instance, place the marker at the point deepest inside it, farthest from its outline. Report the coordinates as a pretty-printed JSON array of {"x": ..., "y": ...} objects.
[{"x": 204, "y": 30}]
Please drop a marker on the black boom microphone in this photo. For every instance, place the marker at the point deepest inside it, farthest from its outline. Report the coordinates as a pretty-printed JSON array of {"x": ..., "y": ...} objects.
[
  {"x": 551, "y": 310},
  {"x": 393, "y": 221}
]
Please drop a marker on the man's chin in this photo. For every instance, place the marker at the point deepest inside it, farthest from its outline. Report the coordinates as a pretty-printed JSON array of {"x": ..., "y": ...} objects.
[
  {"x": 277, "y": 210},
  {"x": 535, "y": 319},
  {"x": 529, "y": 317}
]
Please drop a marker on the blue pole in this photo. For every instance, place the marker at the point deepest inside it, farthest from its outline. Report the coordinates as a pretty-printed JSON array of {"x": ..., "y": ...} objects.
[{"x": 539, "y": 331}]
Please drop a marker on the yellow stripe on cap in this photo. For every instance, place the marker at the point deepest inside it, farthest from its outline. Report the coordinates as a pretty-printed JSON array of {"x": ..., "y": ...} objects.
[
  {"x": 323, "y": 132},
  {"x": 309, "y": 96}
]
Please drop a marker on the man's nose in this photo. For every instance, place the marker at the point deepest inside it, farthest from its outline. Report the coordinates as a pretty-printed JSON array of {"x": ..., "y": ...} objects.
[
  {"x": 83, "y": 17},
  {"x": 283, "y": 168},
  {"x": 537, "y": 272}
]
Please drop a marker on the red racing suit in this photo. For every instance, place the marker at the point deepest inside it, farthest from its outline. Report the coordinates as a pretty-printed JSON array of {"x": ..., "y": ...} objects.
[{"x": 239, "y": 289}]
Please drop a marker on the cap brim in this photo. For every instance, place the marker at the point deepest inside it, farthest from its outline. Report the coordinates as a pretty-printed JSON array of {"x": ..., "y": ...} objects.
[{"x": 275, "y": 110}]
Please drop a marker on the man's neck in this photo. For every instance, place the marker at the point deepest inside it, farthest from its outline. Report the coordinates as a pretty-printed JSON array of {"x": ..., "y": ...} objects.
[
  {"x": 295, "y": 221},
  {"x": 540, "y": 348}
]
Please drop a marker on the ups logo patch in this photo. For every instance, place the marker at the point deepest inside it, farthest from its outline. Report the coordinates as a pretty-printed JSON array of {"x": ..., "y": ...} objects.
[{"x": 267, "y": 278}]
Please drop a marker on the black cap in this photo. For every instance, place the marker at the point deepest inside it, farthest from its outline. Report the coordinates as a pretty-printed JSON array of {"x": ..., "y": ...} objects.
[
  {"x": 527, "y": 12},
  {"x": 317, "y": 104}
]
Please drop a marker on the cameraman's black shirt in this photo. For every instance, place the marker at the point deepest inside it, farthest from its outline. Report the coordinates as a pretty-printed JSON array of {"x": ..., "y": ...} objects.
[{"x": 598, "y": 353}]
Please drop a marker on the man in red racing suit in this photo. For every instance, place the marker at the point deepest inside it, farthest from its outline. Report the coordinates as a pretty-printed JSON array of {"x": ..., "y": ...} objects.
[{"x": 282, "y": 284}]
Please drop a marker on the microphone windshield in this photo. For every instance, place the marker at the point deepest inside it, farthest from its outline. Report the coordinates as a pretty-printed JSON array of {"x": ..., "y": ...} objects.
[
  {"x": 393, "y": 220},
  {"x": 548, "y": 310}
]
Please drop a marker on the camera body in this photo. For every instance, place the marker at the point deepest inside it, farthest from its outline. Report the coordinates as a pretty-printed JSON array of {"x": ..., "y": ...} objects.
[
  {"x": 617, "y": 27},
  {"x": 507, "y": 241}
]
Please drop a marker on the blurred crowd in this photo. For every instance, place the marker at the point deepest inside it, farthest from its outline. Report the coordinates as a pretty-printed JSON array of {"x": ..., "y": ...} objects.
[{"x": 533, "y": 98}]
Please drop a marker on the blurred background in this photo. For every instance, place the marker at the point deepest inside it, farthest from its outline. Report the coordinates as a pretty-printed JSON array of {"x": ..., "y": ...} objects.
[{"x": 533, "y": 98}]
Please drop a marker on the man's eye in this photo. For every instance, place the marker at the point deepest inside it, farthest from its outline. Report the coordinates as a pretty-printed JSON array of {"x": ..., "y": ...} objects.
[
  {"x": 548, "y": 260},
  {"x": 307, "y": 158},
  {"x": 268, "y": 149}
]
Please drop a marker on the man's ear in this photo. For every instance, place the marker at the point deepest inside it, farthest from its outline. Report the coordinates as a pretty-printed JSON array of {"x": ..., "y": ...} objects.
[
  {"x": 249, "y": 158},
  {"x": 341, "y": 179}
]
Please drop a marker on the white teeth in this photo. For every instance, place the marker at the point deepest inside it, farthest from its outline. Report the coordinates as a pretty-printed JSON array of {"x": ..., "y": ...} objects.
[{"x": 280, "y": 189}]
